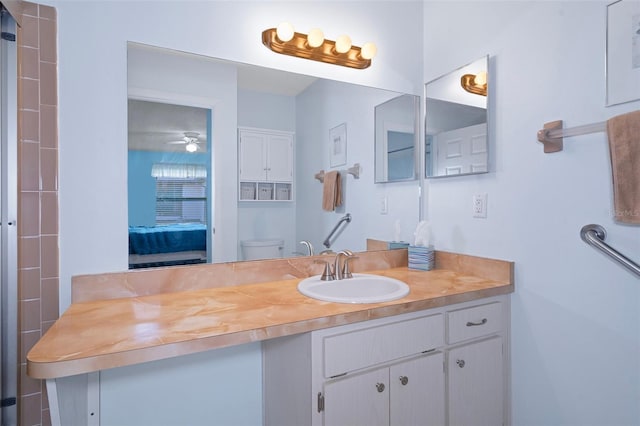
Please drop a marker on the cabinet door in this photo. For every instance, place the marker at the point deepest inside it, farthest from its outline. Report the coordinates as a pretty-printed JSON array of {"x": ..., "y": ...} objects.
[
  {"x": 476, "y": 394},
  {"x": 252, "y": 157},
  {"x": 358, "y": 400},
  {"x": 280, "y": 159},
  {"x": 417, "y": 392}
]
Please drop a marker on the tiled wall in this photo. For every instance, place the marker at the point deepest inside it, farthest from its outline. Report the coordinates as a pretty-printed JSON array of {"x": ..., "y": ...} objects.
[{"x": 37, "y": 196}]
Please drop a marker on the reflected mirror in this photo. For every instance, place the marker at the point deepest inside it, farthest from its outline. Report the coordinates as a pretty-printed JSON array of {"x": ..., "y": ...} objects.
[
  {"x": 456, "y": 133},
  {"x": 180, "y": 101},
  {"x": 396, "y": 139}
]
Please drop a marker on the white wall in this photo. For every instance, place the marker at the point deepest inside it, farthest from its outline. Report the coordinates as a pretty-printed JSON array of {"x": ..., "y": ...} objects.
[{"x": 575, "y": 313}]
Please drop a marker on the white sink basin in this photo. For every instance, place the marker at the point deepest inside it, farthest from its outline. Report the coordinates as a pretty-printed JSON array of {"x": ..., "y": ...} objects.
[{"x": 362, "y": 288}]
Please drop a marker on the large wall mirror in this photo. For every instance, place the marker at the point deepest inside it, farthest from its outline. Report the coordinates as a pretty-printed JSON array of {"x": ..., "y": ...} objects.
[
  {"x": 396, "y": 139},
  {"x": 185, "y": 112},
  {"x": 457, "y": 140}
]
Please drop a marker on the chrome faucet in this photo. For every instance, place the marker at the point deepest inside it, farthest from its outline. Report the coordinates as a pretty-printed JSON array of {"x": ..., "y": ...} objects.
[
  {"x": 309, "y": 247},
  {"x": 338, "y": 269}
]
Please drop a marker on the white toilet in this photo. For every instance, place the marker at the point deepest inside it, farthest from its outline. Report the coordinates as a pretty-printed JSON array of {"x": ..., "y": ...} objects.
[{"x": 262, "y": 249}]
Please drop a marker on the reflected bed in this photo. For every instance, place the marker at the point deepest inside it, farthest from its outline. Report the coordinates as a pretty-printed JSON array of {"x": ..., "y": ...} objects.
[{"x": 166, "y": 245}]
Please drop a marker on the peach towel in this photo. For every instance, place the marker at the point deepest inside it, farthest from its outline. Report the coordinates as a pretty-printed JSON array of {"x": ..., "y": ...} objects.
[
  {"x": 331, "y": 191},
  {"x": 624, "y": 145}
]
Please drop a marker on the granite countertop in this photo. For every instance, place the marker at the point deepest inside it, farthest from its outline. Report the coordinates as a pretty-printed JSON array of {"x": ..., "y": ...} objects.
[{"x": 101, "y": 334}]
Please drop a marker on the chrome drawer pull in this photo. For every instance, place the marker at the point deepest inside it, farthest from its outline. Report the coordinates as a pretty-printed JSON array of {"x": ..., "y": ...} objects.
[
  {"x": 472, "y": 324},
  {"x": 404, "y": 380},
  {"x": 380, "y": 387}
]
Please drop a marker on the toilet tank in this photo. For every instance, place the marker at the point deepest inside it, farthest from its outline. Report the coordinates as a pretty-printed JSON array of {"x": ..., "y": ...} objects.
[{"x": 262, "y": 249}]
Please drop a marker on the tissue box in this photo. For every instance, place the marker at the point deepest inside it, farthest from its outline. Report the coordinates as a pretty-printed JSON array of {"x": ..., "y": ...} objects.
[
  {"x": 422, "y": 258},
  {"x": 394, "y": 245}
]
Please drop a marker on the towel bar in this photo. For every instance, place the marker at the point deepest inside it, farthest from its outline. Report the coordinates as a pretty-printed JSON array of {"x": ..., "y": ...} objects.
[
  {"x": 594, "y": 235},
  {"x": 552, "y": 135},
  {"x": 353, "y": 170}
]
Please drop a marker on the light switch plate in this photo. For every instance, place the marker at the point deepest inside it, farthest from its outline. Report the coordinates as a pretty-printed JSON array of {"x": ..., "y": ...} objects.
[{"x": 384, "y": 205}]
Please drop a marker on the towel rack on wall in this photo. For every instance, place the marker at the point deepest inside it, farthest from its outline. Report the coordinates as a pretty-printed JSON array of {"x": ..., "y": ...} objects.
[
  {"x": 552, "y": 135},
  {"x": 354, "y": 170},
  {"x": 594, "y": 235}
]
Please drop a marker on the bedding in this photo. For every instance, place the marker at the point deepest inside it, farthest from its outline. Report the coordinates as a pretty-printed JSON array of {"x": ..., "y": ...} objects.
[{"x": 179, "y": 237}]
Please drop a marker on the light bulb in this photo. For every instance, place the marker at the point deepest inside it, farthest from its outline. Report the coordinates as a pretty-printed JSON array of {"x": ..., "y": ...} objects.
[
  {"x": 285, "y": 31},
  {"x": 191, "y": 147},
  {"x": 315, "y": 38},
  {"x": 343, "y": 44},
  {"x": 368, "y": 50},
  {"x": 480, "y": 79}
]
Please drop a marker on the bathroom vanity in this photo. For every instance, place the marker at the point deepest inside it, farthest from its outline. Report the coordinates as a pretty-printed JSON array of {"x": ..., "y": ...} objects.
[
  {"x": 433, "y": 367},
  {"x": 445, "y": 344}
]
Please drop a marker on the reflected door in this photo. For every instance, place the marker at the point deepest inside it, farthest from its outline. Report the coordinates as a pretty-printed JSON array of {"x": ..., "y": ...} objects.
[{"x": 461, "y": 151}]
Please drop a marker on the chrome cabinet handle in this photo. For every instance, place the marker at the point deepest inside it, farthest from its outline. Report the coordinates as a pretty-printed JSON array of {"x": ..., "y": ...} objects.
[
  {"x": 460, "y": 363},
  {"x": 472, "y": 324},
  {"x": 380, "y": 387},
  {"x": 404, "y": 380}
]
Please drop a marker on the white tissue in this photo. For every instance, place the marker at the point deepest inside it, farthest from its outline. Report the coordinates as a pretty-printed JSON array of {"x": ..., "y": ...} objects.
[
  {"x": 422, "y": 236},
  {"x": 397, "y": 231}
]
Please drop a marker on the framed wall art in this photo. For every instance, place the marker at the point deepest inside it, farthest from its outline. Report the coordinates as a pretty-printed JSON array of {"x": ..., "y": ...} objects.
[
  {"x": 623, "y": 52},
  {"x": 338, "y": 145}
]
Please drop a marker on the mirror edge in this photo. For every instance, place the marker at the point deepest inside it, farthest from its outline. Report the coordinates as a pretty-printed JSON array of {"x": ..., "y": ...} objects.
[{"x": 417, "y": 143}]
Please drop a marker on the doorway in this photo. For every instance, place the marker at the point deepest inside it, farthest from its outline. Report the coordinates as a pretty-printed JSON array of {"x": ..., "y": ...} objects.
[{"x": 169, "y": 184}]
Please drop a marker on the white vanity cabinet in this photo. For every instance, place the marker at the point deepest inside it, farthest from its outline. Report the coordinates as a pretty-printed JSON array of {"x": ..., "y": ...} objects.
[
  {"x": 265, "y": 164},
  {"x": 476, "y": 369},
  {"x": 434, "y": 367},
  {"x": 408, "y": 393},
  {"x": 476, "y": 384}
]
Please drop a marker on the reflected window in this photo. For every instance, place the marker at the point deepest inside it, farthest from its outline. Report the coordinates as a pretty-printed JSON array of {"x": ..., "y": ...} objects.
[{"x": 181, "y": 200}]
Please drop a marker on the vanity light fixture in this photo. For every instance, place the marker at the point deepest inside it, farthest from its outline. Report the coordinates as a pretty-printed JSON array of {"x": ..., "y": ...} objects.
[
  {"x": 475, "y": 83},
  {"x": 286, "y": 41}
]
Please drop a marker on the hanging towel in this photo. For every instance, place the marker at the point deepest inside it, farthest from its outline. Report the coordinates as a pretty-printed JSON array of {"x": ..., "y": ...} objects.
[
  {"x": 624, "y": 145},
  {"x": 339, "y": 190},
  {"x": 331, "y": 192}
]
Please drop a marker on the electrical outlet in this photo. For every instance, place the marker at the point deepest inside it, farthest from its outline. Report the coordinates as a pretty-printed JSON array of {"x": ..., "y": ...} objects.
[{"x": 480, "y": 205}]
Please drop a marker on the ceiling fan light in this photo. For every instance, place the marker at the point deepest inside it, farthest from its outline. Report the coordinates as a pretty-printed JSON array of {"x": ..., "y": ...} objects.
[{"x": 191, "y": 147}]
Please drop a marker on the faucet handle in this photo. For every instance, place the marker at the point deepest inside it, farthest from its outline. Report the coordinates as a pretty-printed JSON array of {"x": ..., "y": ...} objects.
[
  {"x": 328, "y": 274},
  {"x": 346, "y": 272}
]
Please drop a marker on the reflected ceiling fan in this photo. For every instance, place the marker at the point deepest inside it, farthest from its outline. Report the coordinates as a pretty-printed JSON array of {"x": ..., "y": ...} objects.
[{"x": 190, "y": 140}]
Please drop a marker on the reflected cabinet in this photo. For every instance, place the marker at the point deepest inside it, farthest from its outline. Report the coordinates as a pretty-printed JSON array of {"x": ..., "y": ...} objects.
[{"x": 265, "y": 165}]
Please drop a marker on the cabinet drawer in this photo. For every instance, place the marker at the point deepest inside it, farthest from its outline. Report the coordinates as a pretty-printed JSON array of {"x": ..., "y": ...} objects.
[
  {"x": 366, "y": 347},
  {"x": 474, "y": 322}
]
